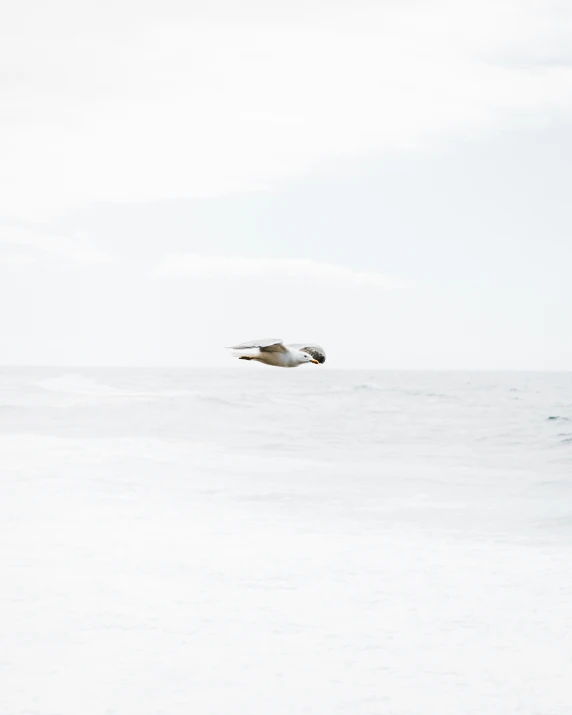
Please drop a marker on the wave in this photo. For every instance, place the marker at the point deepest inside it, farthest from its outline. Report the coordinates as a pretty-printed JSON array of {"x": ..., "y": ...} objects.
[
  {"x": 77, "y": 385},
  {"x": 367, "y": 386}
]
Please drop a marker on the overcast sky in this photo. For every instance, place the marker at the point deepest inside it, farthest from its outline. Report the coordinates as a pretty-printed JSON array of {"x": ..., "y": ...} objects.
[{"x": 389, "y": 179}]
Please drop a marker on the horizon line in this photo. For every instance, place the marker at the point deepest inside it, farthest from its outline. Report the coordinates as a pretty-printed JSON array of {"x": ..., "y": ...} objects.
[{"x": 235, "y": 367}]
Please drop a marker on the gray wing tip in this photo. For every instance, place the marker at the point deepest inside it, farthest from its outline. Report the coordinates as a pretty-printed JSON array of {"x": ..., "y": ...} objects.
[{"x": 316, "y": 352}]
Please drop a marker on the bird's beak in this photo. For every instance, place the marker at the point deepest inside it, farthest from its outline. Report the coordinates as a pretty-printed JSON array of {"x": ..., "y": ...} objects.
[{"x": 315, "y": 362}]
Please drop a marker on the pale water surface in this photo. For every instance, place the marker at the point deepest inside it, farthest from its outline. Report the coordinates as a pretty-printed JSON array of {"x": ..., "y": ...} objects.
[{"x": 285, "y": 542}]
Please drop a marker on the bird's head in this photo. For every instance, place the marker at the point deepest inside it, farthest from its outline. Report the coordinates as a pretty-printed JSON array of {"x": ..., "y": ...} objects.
[{"x": 306, "y": 357}]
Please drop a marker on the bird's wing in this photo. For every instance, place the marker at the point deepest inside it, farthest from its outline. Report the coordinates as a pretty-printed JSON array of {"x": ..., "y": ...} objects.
[
  {"x": 267, "y": 345},
  {"x": 317, "y": 352}
]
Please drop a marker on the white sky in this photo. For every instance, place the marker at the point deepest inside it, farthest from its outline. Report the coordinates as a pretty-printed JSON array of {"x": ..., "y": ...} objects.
[{"x": 388, "y": 179}]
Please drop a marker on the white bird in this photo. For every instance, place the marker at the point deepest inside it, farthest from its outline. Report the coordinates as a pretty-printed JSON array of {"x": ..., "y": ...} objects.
[{"x": 272, "y": 351}]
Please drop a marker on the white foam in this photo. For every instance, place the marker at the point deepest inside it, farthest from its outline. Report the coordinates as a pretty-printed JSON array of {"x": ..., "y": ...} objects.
[{"x": 303, "y": 555}]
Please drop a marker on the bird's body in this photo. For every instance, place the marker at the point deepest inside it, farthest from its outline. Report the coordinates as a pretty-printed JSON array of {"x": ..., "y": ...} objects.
[{"x": 272, "y": 351}]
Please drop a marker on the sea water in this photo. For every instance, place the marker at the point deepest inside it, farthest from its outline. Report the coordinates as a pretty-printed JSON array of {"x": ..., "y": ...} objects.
[{"x": 285, "y": 542}]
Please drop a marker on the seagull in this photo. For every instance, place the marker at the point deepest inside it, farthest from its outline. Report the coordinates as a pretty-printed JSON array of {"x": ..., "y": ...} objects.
[{"x": 273, "y": 351}]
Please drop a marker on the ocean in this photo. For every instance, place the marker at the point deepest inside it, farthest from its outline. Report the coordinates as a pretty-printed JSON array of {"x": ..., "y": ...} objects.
[{"x": 285, "y": 542}]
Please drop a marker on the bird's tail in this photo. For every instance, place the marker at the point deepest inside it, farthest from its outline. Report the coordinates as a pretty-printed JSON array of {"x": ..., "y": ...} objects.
[{"x": 244, "y": 353}]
